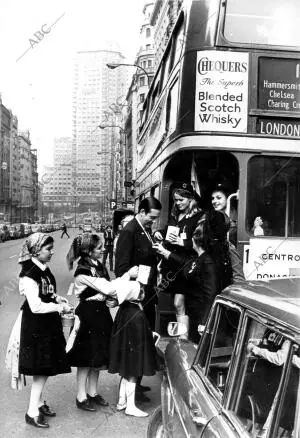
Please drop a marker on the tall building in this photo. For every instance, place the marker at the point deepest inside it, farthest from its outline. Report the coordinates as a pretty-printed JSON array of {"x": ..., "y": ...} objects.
[
  {"x": 137, "y": 93},
  {"x": 28, "y": 178},
  {"x": 62, "y": 151},
  {"x": 5, "y": 162},
  {"x": 162, "y": 19},
  {"x": 94, "y": 150},
  {"x": 58, "y": 196}
]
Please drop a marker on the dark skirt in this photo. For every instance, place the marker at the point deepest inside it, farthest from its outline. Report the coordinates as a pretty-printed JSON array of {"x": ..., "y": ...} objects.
[
  {"x": 42, "y": 344},
  {"x": 91, "y": 346},
  {"x": 132, "y": 349}
]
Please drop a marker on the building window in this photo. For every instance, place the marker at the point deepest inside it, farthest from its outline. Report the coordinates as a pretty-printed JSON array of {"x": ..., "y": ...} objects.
[
  {"x": 142, "y": 81},
  {"x": 142, "y": 97},
  {"x": 148, "y": 32},
  {"x": 148, "y": 46},
  {"x": 149, "y": 63}
]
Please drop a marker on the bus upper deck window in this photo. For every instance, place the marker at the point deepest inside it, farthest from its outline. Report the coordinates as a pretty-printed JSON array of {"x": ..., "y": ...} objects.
[
  {"x": 271, "y": 22},
  {"x": 273, "y": 190}
]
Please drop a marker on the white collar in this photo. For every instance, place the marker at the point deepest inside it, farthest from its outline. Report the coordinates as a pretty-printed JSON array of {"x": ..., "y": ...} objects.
[{"x": 40, "y": 265}]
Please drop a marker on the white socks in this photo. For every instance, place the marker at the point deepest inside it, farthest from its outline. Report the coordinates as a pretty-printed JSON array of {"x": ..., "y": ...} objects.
[
  {"x": 131, "y": 409},
  {"x": 122, "y": 395},
  {"x": 184, "y": 319}
]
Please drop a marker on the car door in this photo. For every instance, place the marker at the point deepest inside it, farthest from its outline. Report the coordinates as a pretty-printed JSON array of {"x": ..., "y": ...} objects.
[
  {"x": 198, "y": 390},
  {"x": 215, "y": 366}
]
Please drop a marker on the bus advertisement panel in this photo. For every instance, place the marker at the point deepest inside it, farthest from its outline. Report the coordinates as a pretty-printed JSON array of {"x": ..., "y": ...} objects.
[{"x": 221, "y": 94}]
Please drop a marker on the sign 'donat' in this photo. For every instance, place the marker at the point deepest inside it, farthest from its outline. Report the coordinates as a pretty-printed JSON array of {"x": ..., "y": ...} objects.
[
  {"x": 266, "y": 258},
  {"x": 221, "y": 92}
]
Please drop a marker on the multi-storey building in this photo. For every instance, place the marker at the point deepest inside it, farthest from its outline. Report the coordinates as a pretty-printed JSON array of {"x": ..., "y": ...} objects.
[
  {"x": 162, "y": 19},
  {"x": 28, "y": 178},
  {"x": 136, "y": 95},
  {"x": 18, "y": 171},
  {"x": 58, "y": 191},
  {"x": 15, "y": 186},
  {"x": 62, "y": 151},
  {"x": 94, "y": 150},
  {"x": 5, "y": 162}
]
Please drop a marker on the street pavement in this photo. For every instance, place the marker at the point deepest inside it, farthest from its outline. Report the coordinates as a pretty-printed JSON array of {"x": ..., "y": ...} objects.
[{"x": 60, "y": 391}]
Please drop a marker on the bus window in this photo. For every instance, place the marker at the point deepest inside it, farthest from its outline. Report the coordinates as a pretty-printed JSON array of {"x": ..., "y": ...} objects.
[
  {"x": 172, "y": 108},
  {"x": 166, "y": 66},
  {"x": 155, "y": 90},
  {"x": 177, "y": 44},
  {"x": 271, "y": 22},
  {"x": 155, "y": 192},
  {"x": 272, "y": 197}
]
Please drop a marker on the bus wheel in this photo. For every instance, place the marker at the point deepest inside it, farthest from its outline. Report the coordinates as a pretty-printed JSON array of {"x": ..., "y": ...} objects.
[{"x": 155, "y": 426}]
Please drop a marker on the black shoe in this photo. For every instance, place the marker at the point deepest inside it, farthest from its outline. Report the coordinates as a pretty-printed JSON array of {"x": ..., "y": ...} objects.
[
  {"x": 45, "y": 410},
  {"x": 141, "y": 397},
  {"x": 38, "y": 421},
  {"x": 98, "y": 399},
  {"x": 141, "y": 388},
  {"x": 85, "y": 405}
]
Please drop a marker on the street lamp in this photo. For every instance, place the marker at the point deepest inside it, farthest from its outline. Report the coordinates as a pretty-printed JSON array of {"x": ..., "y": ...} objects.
[{"x": 114, "y": 65}]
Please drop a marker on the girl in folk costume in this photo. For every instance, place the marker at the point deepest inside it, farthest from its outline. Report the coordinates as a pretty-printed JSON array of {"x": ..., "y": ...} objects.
[
  {"x": 42, "y": 343},
  {"x": 90, "y": 350}
]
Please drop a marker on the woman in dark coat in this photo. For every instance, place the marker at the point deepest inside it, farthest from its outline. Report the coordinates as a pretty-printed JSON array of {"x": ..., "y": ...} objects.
[
  {"x": 185, "y": 215},
  {"x": 90, "y": 350},
  {"x": 207, "y": 273},
  {"x": 42, "y": 343}
]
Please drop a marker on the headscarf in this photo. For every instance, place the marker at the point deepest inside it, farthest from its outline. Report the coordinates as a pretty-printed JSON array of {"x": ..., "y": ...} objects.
[
  {"x": 32, "y": 246},
  {"x": 81, "y": 245}
]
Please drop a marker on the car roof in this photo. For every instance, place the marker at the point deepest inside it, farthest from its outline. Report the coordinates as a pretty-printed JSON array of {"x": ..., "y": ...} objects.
[{"x": 278, "y": 299}]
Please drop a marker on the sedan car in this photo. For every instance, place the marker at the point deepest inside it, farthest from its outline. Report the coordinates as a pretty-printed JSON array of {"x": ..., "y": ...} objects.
[{"x": 242, "y": 380}]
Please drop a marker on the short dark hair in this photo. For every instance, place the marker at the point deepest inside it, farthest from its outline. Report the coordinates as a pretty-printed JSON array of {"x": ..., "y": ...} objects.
[{"x": 149, "y": 203}]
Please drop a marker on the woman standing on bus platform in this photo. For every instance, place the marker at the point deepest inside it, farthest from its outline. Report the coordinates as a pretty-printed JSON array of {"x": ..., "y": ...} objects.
[
  {"x": 42, "y": 343},
  {"x": 206, "y": 273},
  {"x": 219, "y": 200},
  {"x": 185, "y": 215}
]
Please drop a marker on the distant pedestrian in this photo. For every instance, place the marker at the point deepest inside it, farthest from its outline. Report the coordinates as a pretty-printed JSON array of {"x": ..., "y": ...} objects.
[
  {"x": 64, "y": 231},
  {"x": 108, "y": 246},
  {"x": 42, "y": 343}
]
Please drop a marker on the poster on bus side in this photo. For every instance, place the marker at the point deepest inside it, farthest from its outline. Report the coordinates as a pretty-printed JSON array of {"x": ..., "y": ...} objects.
[
  {"x": 221, "y": 92},
  {"x": 266, "y": 258}
]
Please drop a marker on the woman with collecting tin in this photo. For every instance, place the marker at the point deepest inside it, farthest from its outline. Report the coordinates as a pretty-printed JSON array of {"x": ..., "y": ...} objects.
[{"x": 177, "y": 237}]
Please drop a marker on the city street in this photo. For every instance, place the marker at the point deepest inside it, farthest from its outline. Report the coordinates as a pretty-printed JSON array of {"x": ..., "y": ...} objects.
[{"x": 60, "y": 391}]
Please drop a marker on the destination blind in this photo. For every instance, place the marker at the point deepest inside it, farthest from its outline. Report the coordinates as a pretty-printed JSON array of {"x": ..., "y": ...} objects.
[{"x": 279, "y": 84}]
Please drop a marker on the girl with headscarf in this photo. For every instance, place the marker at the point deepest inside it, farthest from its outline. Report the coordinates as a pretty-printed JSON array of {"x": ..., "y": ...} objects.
[
  {"x": 185, "y": 215},
  {"x": 42, "y": 343},
  {"x": 208, "y": 272},
  {"x": 90, "y": 350}
]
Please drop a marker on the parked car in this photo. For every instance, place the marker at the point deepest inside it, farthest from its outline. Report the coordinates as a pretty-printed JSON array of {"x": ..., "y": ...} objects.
[
  {"x": 4, "y": 233},
  {"x": 242, "y": 380},
  {"x": 27, "y": 229},
  {"x": 35, "y": 228},
  {"x": 87, "y": 228},
  {"x": 13, "y": 232}
]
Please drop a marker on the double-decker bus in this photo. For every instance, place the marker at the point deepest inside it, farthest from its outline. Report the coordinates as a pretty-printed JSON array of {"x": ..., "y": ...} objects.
[{"x": 224, "y": 105}]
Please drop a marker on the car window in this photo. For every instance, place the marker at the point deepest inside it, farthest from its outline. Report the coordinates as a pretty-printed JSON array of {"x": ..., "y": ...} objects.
[
  {"x": 291, "y": 400},
  {"x": 223, "y": 346},
  {"x": 217, "y": 344},
  {"x": 259, "y": 380}
]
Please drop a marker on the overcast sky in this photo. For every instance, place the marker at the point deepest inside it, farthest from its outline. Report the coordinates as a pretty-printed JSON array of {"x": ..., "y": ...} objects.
[{"x": 37, "y": 85}]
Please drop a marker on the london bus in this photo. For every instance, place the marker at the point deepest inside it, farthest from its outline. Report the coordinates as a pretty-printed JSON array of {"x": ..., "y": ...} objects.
[{"x": 224, "y": 104}]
